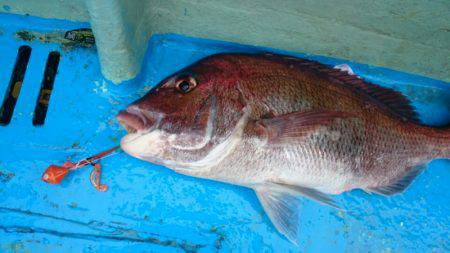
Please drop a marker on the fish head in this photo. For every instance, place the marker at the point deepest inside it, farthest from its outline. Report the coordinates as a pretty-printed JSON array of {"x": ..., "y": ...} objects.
[{"x": 181, "y": 122}]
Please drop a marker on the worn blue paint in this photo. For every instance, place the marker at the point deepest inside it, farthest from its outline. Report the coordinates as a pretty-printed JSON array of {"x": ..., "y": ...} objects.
[{"x": 150, "y": 208}]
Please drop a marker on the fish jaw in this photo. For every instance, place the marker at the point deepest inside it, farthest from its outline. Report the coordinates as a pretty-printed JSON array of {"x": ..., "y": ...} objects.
[
  {"x": 145, "y": 146},
  {"x": 134, "y": 120}
]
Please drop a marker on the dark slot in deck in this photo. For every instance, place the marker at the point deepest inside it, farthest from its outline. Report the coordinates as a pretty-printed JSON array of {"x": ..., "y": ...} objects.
[
  {"x": 15, "y": 84},
  {"x": 45, "y": 92}
]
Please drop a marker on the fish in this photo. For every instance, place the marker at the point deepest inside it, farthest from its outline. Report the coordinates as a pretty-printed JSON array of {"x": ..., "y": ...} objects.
[{"x": 285, "y": 127}]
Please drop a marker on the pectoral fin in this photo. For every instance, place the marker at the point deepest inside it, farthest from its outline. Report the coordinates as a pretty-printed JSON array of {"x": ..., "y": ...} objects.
[
  {"x": 288, "y": 127},
  {"x": 401, "y": 184},
  {"x": 281, "y": 203}
]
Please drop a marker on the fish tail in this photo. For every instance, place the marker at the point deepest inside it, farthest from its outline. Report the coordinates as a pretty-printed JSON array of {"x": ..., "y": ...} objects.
[
  {"x": 446, "y": 150},
  {"x": 438, "y": 137},
  {"x": 441, "y": 136}
]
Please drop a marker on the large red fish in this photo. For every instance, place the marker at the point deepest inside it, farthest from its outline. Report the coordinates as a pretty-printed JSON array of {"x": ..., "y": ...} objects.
[{"x": 284, "y": 127}]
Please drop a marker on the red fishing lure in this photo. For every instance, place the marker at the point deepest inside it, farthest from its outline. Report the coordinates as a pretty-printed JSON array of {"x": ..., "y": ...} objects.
[{"x": 54, "y": 174}]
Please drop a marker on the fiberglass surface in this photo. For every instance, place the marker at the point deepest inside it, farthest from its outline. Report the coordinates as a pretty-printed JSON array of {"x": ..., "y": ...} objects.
[{"x": 150, "y": 208}]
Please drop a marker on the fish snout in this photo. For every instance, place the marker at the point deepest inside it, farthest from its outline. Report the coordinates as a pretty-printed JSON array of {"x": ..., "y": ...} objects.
[{"x": 134, "y": 120}]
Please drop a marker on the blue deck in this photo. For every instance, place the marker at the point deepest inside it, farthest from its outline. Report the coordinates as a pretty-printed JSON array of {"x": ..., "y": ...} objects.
[{"x": 150, "y": 208}]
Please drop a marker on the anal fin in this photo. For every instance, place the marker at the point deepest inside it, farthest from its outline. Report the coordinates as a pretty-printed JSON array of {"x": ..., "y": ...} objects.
[{"x": 401, "y": 184}]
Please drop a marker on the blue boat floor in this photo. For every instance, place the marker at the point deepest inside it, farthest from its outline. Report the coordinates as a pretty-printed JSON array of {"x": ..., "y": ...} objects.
[{"x": 150, "y": 208}]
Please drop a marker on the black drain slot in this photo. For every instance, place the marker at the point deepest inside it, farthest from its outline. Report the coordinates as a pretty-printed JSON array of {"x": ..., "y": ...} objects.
[
  {"x": 15, "y": 84},
  {"x": 46, "y": 88}
]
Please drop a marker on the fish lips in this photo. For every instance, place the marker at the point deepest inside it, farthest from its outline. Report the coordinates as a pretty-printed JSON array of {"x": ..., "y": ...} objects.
[{"x": 134, "y": 120}]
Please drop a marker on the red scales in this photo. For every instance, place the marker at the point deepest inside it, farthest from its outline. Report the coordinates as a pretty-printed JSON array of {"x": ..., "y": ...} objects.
[{"x": 54, "y": 174}]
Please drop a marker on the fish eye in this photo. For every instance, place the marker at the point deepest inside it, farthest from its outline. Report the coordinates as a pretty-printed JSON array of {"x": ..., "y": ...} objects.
[{"x": 185, "y": 84}]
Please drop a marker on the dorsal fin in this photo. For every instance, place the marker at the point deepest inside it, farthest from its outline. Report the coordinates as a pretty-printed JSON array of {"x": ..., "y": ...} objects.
[
  {"x": 390, "y": 100},
  {"x": 394, "y": 100}
]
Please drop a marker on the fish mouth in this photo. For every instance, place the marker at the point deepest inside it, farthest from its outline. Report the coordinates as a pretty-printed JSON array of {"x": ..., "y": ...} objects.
[{"x": 134, "y": 120}]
